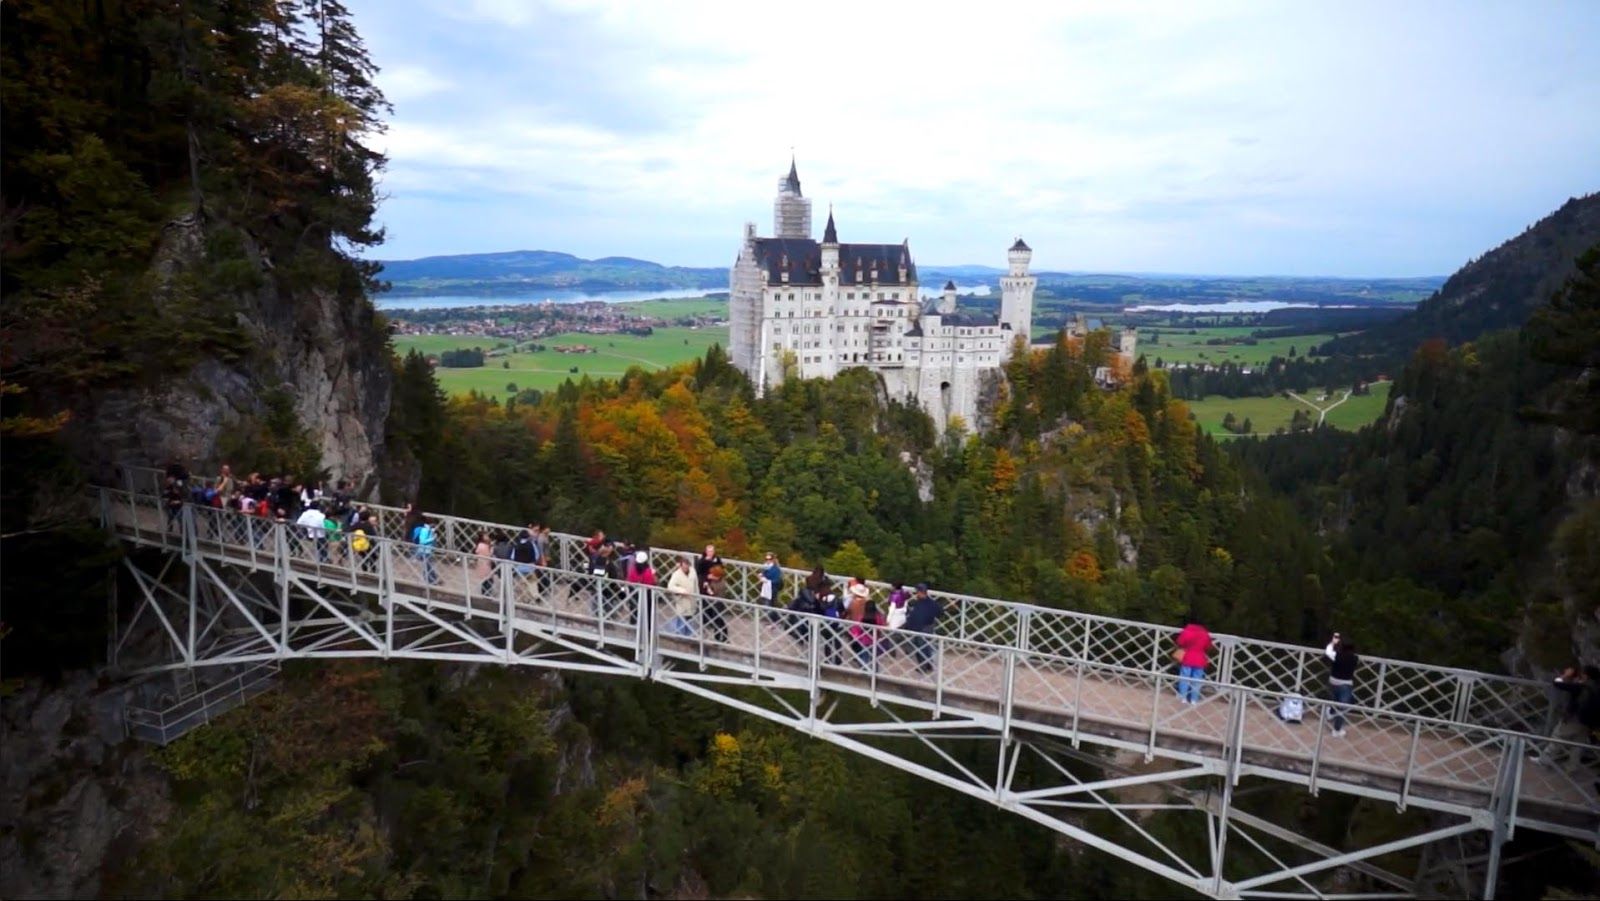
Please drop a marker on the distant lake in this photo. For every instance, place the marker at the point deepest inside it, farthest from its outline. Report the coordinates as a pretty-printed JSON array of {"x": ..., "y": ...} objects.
[
  {"x": 443, "y": 301},
  {"x": 1230, "y": 306}
]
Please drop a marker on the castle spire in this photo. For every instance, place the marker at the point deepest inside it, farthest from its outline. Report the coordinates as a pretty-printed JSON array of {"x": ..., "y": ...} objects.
[
  {"x": 830, "y": 235},
  {"x": 794, "y": 175}
]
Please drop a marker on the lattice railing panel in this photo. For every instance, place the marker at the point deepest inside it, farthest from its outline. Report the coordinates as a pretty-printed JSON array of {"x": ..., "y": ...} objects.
[
  {"x": 1407, "y": 689},
  {"x": 1277, "y": 669},
  {"x": 969, "y": 620}
]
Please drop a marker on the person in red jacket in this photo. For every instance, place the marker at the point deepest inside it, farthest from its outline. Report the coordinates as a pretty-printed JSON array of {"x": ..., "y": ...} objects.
[{"x": 1195, "y": 643}]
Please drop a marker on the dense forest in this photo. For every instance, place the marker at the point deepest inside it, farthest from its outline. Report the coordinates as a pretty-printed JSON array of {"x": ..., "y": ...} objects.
[{"x": 171, "y": 167}]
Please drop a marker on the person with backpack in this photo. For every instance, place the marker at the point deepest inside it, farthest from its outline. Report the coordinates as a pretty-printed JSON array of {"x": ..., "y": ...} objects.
[
  {"x": 426, "y": 537},
  {"x": 716, "y": 609},
  {"x": 333, "y": 538},
  {"x": 1342, "y": 663},
  {"x": 360, "y": 544},
  {"x": 865, "y": 635},
  {"x": 922, "y": 617},
  {"x": 771, "y": 584},
  {"x": 704, "y": 563},
  {"x": 1194, "y": 646},
  {"x": 832, "y": 607},
  {"x": 172, "y": 499},
  {"x": 524, "y": 553}
]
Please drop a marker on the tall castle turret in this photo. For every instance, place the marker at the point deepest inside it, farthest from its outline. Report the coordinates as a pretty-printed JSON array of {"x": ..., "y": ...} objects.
[
  {"x": 791, "y": 212},
  {"x": 1016, "y": 295}
]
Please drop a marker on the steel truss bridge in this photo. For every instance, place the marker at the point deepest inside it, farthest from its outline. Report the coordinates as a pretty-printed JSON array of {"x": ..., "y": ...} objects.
[{"x": 1039, "y": 690}]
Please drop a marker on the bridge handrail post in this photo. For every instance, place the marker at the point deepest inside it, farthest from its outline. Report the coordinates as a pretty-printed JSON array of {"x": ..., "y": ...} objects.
[
  {"x": 1155, "y": 713},
  {"x": 1463, "y": 699},
  {"x": 1377, "y": 687},
  {"x": 1007, "y": 695},
  {"x": 187, "y": 535},
  {"x": 280, "y": 574},
  {"x": 1411, "y": 765},
  {"x": 1225, "y": 664},
  {"x": 1316, "y": 751},
  {"x": 507, "y": 609},
  {"x": 755, "y": 628},
  {"x": 814, "y": 667},
  {"x": 386, "y": 588}
]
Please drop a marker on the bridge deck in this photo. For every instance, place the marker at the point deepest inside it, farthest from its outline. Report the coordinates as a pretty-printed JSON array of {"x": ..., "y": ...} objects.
[{"x": 1404, "y": 757}]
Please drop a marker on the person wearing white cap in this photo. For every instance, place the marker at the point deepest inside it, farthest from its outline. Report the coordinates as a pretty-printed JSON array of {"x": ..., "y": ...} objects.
[{"x": 639, "y": 571}]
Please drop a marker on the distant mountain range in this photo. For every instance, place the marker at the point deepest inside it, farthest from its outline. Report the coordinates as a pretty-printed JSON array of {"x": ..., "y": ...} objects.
[{"x": 524, "y": 272}]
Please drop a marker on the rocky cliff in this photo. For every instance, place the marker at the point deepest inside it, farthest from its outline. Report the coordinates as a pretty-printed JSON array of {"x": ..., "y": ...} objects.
[{"x": 327, "y": 353}]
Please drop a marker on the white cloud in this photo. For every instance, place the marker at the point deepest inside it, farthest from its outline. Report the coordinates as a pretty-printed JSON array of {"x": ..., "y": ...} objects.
[
  {"x": 405, "y": 82},
  {"x": 1200, "y": 137}
]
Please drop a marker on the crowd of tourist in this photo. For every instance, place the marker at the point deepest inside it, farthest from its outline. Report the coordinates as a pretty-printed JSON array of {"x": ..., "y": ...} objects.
[{"x": 331, "y": 524}]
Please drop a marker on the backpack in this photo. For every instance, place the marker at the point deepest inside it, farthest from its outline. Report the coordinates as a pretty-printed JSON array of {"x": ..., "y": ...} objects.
[
  {"x": 1292, "y": 709},
  {"x": 359, "y": 542}
]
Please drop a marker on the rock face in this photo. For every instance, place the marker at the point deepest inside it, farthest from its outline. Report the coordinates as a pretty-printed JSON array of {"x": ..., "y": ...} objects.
[
  {"x": 327, "y": 354},
  {"x": 75, "y": 794}
]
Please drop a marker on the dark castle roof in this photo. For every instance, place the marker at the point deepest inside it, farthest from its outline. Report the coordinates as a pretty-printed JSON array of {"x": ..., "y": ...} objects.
[
  {"x": 804, "y": 258},
  {"x": 1020, "y": 245},
  {"x": 830, "y": 235},
  {"x": 950, "y": 286},
  {"x": 794, "y": 177}
]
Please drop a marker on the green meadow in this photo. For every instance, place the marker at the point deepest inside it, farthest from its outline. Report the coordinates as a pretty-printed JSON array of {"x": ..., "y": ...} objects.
[
  {"x": 1177, "y": 346},
  {"x": 547, "y": 369},
  {"x": 1268, "y": 414}
]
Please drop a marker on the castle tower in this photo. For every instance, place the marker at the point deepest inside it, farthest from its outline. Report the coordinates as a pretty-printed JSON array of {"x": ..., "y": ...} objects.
[
  {"x": 947, "y": 300},
  {"x": 830, "y": 244},
  {"x": 1016, "y": 295},
  {"x": 791, "y": 212}
]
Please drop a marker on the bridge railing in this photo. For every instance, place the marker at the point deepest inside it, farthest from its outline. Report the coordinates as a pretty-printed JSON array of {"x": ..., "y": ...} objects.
[
  {"x": 163, "y": 724},
  {"x": 1071, "y": 695},
  {"x": 1498, "y": 701}
]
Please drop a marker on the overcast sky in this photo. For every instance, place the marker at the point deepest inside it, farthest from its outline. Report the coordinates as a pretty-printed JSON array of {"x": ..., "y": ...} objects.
[{"x": 1348, "y": 138}]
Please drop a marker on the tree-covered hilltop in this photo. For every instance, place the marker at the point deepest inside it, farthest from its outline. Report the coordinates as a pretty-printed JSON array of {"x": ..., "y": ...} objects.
[
  {"x": 1102, "y": 500},
  {"x": 1498, "y": 290},
  {"x": 1469, "y": 511},
  {"x": 247, "y": 117}
]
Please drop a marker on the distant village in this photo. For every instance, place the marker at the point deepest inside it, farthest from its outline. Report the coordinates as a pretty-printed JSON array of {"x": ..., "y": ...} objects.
[{"x": 523, "y": 323}]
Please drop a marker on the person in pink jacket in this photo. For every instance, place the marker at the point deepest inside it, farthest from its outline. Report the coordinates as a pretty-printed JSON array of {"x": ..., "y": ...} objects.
[{"x": 1194, "y": 643}]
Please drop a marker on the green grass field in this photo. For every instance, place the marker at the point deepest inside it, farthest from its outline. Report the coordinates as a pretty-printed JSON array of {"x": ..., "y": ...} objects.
[
  {"x": 1267, "y": 414},
  {"x": 672, "y": 308},
  {"x": 548, "y": 369},
  {"x": 1176, "y": 346},
  {"x": 434, "y": 344}
]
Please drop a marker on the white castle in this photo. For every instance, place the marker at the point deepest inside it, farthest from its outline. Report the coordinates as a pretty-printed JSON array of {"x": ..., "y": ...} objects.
[{"x": 803, "y": 309}]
